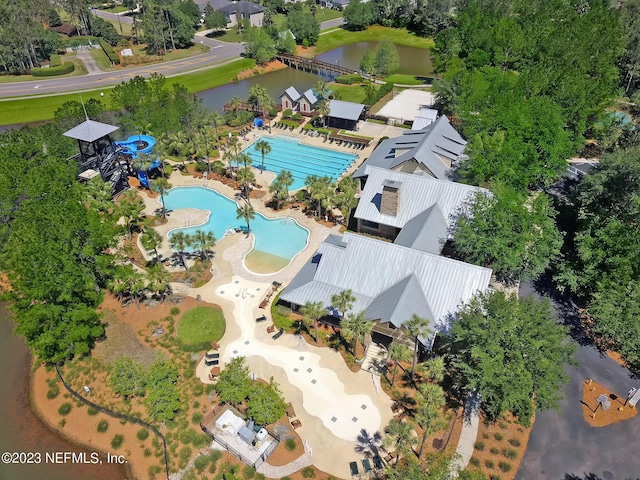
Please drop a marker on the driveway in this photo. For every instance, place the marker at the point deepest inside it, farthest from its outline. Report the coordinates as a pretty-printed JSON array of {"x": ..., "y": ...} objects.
[{"x": 562, "y": 445}]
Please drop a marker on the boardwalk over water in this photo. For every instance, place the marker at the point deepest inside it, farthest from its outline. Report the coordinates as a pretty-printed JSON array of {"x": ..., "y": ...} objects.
[{"x": 324, "y": 69}]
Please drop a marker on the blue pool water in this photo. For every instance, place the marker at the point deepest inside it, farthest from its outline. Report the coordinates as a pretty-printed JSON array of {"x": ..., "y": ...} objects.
[
  {"x": 287, "y": 153},
  {"x": 281, "y": 236}
]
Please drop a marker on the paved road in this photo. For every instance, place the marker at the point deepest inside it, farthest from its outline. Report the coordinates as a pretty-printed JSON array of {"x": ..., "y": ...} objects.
[{"x": 562, "y": 445}]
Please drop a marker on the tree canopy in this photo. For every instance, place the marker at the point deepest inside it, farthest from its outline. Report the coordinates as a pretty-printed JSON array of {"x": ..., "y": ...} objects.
[{"x": 511, "y": 351}]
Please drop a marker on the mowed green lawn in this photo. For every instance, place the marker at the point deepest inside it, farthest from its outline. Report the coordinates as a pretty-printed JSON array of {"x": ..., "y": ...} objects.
[
  {"x": 201, "y": 325},
  {"x": 375, "y": 33}
]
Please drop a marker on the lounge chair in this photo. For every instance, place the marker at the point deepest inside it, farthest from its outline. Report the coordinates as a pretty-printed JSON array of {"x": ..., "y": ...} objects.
[
  {"x": 211, "y": 363},
  {"x": 366, "y": 465},
  {"x": 353, "y": 466},
  {"x": 261, "y": 319},
  {"x": 377, "y": 462}
]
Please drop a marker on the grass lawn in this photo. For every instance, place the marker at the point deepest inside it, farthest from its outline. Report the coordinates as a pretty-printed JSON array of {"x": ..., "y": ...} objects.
[
  {"x": 201, "y": 325},
  {"x": 42, "y": 108},
  {"x": 352, "y": 93},
  {"x": 405, "y": 79},
  {"x": 101, "y": 58},
  {"x": 400, "y": 36},
  {"x": 126, "y": 28}
]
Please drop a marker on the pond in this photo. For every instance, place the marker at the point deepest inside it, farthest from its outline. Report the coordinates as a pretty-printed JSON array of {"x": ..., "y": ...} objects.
[{"x": 416, "y": 61}]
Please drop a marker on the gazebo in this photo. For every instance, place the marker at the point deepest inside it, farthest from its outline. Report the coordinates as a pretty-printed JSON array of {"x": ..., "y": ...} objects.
[{"x": 98, "y": 154}]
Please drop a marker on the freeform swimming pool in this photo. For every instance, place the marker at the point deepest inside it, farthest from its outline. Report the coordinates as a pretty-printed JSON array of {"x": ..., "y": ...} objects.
[
  {"x": 287, "y": 153},
  {"x": 282, "y": 237}
]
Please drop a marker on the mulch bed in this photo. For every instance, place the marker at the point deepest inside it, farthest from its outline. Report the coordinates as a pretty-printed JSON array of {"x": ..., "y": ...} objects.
[{"x": 596, "y": 416}]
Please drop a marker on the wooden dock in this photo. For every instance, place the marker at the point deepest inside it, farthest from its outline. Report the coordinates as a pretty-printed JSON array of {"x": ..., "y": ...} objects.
[{"x": 313, "y": 65}]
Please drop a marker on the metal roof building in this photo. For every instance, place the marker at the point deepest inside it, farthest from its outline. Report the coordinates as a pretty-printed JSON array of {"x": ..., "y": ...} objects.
[
  {"x": 430, "y": 151},
  {"x": 422, "y": 212},
  {"x": 90, "y": 131},
  {"x": 390, "y": 282}
]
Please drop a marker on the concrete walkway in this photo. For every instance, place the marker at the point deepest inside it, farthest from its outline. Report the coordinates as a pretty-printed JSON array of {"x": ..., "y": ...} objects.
[
  {"x": 271, "y": 471},
  {"x": 469, "y": 432}
]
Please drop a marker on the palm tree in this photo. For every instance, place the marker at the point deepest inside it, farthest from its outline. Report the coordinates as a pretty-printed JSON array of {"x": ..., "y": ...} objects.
[
  {"x": 400, "y": 436},
  {"x": 245, "y": 175},
  {"x": 247, "y": 212},
  {"x": 433, "y": 369},
  {"x": 417, "y": 327},
  {"x": 321, "y": 89},
  {"x": 323, "y": 110},
  {"x": 151, "y": 240},
  {"x": 313, "y": 311},
  {"x": 159, "y": 280},
  {"x": 161, "y": 186},
  {"x": 235, "y": 103},
  {"x": 356, "y": 327},
  {"x": 264, "y": 148},
  {"x": 179, "y": 241},
  {"x": 398, "y": 353},
  {"x": 204, "y": 240},
  {"x": 430, "y": 402},
  {"x": 343, "y": 301},
  {"x": 130, "y": 207}
]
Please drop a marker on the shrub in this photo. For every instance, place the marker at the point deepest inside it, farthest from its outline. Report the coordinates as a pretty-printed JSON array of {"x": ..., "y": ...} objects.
[
  {"x": 290, "y": 444},
  {"x": 475, "y": 461},
  {"x": 498, "y": 436},
  {"x": 515, "y": 442},
  {"x": 510, "y": 453},
  {"x": 308, "y": 472},
  {"x": 348, "y": 79},
  {"x": 248, "y": 472},
  {"x": 174, "y": 310},
  {"x": 103, "y": 426},
  {"x": 65, "y": 408},
  {"x": 479, "y": 445},
  {"x": 116, "y": 441},
  {"x": 111, "y": 53},
  {"x": 490, "y": 464},
  {"x": 504, "y": 466},
  {"x": 63, "y": 69},
  {"x": 495, "y": 450},
  {"x": 92, "y": 411},
  {"x": 53, "y": 392},
  {"x": 142, "y": 434}
]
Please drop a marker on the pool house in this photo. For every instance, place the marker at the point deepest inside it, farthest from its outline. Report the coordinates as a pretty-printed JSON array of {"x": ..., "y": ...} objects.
[{"x": 390, "y": 282}]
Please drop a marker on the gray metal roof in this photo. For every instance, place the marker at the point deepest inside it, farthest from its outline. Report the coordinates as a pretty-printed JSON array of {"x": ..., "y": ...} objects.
[
  {"x": 90, "y": 130},
  {"x": 292, "y": 93},
  {"x": 425, "y": 146},
  {"x": 427, "y": 231},
  {"x": 345, "y": 110},
  {"x": 371, "y": 267},
  {"x": 399, "y": 302},
  {"x": 310, "y": 96},
  {"x": 417, "y": 194}
]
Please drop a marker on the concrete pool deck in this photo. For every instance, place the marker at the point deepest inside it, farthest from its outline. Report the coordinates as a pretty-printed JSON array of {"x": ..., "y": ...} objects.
[{"x": 326, "y": 395}]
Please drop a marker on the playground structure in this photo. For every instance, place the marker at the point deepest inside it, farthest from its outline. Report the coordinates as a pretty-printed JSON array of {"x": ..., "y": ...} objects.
[{"x": 133, "y": 147}]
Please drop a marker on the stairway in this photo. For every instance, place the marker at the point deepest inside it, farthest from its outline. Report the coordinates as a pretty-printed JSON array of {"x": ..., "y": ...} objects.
[{"x": 375, "y": 360}]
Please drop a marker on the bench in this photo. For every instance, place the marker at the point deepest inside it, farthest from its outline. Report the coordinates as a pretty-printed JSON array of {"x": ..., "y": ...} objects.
[{"x": 278, "y": 334}]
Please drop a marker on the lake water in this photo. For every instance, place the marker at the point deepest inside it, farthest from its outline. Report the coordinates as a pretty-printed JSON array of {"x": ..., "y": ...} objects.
[
  {"x": 20, "y": 428},
  {"x": 416, "y": 61}
]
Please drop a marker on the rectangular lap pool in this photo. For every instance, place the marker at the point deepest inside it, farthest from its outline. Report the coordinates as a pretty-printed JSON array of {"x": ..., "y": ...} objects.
[{"x": 287, "y": 153}]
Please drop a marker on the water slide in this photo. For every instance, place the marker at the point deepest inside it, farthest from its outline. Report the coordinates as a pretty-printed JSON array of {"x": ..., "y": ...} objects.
[{"x": 136, "y": 144}]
